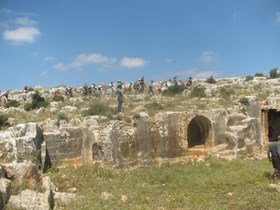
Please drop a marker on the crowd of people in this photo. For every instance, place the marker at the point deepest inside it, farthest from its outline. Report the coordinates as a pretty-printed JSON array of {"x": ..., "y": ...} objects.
[{"x": 111, "y": 90}]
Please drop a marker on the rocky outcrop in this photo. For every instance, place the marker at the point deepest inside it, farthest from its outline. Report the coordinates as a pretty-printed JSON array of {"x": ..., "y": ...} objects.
[
  {"x": 97, "y": 140},
  {"x": 31, "y": 190},
  {"x": 22, "y": 142}
]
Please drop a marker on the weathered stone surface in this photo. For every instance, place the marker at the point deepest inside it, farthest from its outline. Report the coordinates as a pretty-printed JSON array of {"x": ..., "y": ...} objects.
[
  {"x": 21, "y": 142},
  {"x": 141, "y": 140},
  {"x": 24, "y": 174},
  {"x": 60, "y": 199},
  {"x": 5, "y": 191},
  {"x": 29, "y": 200},
  {"x": 95, "y": 140},
  {"x": 65, "y": 146},
  {"x": 67, "y": 109},
  {"x": 254, "y": 108}
]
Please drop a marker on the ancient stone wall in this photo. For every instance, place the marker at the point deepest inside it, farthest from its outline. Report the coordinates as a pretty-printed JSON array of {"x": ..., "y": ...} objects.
[{"x": 97, "y": 140}]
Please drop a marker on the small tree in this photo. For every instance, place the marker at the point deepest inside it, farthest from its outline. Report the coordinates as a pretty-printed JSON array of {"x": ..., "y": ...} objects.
[
  {"x": 259, "y": 75},
  {"x": 37, "y": 102},
  {"x": 273, "y": 73},
  {"x": 174, "y": 90}
]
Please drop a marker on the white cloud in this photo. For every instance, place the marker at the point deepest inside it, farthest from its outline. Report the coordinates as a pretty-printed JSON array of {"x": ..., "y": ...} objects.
[
  {"x": 207, "y": 57},
  {"x": 60, "y": 66},
  {"x": 277, "y": 17},
  {"x": 49, "y": 58},
  {"x": 93, "y": 58},
  {"x": 25, "y": 21},
  {"x": 132, "y": 62},
  {"x": 22, "y": 35},
  {"x": 86, "y": 59}
]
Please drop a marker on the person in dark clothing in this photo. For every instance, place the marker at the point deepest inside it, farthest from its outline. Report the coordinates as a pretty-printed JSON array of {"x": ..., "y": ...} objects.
[
  {"x": 273, "y": 154},
  {"x": 119, "y": 93}
]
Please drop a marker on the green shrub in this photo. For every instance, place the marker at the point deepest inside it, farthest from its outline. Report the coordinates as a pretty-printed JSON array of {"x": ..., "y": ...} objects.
[
  {"x": 62, "y": 116},
  {"x": 174, "y": 90},
  {"x": 99, "y": 108},
  {"x": 154, "y": 106},
  {"x": 12, "y": 103},
  {"x": 3, "y": 120},
  {"x": 58, "y": 98},
  {"x": 259, "y": 75},
  {"x": 226, "y": 93},
  {"x": 244, "y": 101},
  {"x": 248, "y": 78},
  {"x": 211, "y": 80},
  {"x": 37, "y": 102},
  {"x": 273, "y": 73},
  {"x": 198, "y": 91}
]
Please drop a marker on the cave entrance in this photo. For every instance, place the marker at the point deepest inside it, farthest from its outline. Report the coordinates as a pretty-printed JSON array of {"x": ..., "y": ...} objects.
[
  {"x": 199, "y": 130},
  {"x": 273, "y": 123}
]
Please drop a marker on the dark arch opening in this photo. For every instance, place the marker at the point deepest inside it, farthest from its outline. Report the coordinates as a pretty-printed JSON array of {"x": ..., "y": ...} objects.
[
  {"x": 198, "y": 131},
  {"x": 273, "y": 124},
  {"x": 96, "y": 151}
]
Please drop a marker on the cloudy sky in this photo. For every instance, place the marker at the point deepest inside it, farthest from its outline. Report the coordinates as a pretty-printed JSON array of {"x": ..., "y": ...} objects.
[{"x": 73, "y": 42}]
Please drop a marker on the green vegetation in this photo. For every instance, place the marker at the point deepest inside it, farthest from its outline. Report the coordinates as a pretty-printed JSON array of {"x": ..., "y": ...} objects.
[
  {"x": 174, "y": 90},
  {"x": 62, "y": 116},
  {"x": 248, "y": 78},
  {"x": 226, "y": 93},
  {"x": 99, "y": 108},
  {"x": 58, "y": 98},
  {"x": 153, "y": 107},
  {"x": 273, "y": 73},
  {"x": 213, "y": 184},
  {"x": 259, "y": 75},
  {"x": 3, "y": 120},
  {"x": 37, "y": 102},
  {"x": 11, "y": 103},
  {"x": 244, "y": 101},
  {"x": 211, "y": 80},
  {"x": 198, "y": 91}
]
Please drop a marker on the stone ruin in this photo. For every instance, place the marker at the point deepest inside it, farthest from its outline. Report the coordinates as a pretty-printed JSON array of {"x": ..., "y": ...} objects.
[{"x": 96, "y": 140}]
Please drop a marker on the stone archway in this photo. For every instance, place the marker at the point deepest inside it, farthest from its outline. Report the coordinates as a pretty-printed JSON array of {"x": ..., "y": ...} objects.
[{"x": 199, "y": 129}]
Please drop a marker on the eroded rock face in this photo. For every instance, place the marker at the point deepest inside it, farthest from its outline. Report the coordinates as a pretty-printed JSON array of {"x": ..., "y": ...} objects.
[
  {"x": 41, "y": 195},
  {"x": 98, "y": 140},
  {"x": 21, "y": 142},
  {"x": 95, "y": 140}
]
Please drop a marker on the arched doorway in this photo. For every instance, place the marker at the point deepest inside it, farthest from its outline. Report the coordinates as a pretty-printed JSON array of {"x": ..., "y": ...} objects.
[{"x": 198, "y": 131}]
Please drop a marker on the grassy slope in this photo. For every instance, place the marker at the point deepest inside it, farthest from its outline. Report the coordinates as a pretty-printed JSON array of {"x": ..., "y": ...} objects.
[{"x": 213, "y": 184}]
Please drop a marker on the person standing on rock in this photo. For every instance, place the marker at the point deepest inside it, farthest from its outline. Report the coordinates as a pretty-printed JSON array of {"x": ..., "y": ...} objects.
[
  {"x": 273, "y": 154},
  {"x": 119, "y": 93}
]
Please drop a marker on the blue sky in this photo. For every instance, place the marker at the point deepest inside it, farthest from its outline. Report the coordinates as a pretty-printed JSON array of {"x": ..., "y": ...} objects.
[{"x": 73, "y": 42}]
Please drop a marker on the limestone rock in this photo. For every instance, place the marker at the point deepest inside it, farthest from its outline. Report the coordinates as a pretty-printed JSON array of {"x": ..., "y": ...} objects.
[
  {"x": 67, "y": 109},
  {"x": 29, "y": 200},
  {"x": 62, "y": 198},
  {"x": 5, "y": 191},
  {"x": 20, "y": 142},
  {"x": 24, "y": 174}
]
